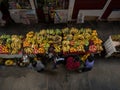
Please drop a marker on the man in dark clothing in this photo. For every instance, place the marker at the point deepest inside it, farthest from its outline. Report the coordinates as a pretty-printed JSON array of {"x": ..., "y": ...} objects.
[{"x": 4, "y": 7}]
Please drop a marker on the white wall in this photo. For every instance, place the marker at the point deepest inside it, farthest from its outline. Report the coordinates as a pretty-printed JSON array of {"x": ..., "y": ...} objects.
[
  {"x": 83, "y": 13},
  {"x": 114, "y": 14},
  {"x": 99, "y": 13},
  {"x": 70, "y": 9}
]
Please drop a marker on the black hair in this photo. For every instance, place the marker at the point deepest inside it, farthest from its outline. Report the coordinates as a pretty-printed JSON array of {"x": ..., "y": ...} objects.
[
  {"x": 77, "y": 58},
  {"x": 38, "y": 55},
  {"x": 90, "y": 58},
  {"x": 34, "y": 63}
]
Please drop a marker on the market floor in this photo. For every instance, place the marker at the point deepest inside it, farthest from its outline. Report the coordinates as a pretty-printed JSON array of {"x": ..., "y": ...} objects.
[{"x": 104, "y": 76}]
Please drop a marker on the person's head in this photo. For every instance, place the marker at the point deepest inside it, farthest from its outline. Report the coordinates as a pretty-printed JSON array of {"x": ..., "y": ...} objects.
[
  {"x": 38, "y": 56},
  {"x": 76, "y": 57},
  {"x": 90, "y": 58},
  {"x": 34, "y": 63}
]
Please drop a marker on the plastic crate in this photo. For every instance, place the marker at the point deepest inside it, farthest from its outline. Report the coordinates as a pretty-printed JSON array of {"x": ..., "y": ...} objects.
[{"x": 110, "y": 47}]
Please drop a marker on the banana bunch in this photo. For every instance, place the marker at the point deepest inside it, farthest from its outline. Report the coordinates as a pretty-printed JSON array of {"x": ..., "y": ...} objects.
[
  {"x": 80, "y": 37},
  {"x": 85, "y": 57},
  {"x": 30, "y": 40},
  {"x": 4, "y": 36},
  {"x": 43, "y": 32},
  {"x": 46, "y": 46},
  {"x": 14, "y": 51},
  {"x": 81, "y": 42},
  {"x": 51, "y": 32},
  {"x": 87, "y": 35},
  {"x": 94, "y": 38},
  {"x": 26, "y": 44},
  {"x": 8, "y": 45},
  {"x": 9, "y": 62},
  {"x": 73, "y": 31},
  {"x": 88, "y": 30},
  {"x": 16, "y": 44},
  {"x": 68, "y": 37},
  {"x": 58, "y": 32},
  {"x": 57, "y": 39},
  {"x": 14, "y": 37},
  {"x": 94, "y": 33},
  {"x": 65, "y": 42},
  {"x": 57, "y": 48},
  {"x": 97, "y": 41},
  {"x": 72, "y": 49},
  {"x": 76, "y": 44},
  {"x": 81, "y": 31},
  {"x": 65, "y": 31},
  {"x": 86, "y": 42},
  {"x": 41, "y": 50},
  {"x": 28, "y": 50},
  {"x": 99, "y": 48},
  {"x": 39, "y": 39},
  {"x": 3, "y": 49},
  {"x": 66, "y": 48},
  {"x": 80, "y": 48},
  {"x": 30, "y": 34},
  {"x": 1, "y": 41}
]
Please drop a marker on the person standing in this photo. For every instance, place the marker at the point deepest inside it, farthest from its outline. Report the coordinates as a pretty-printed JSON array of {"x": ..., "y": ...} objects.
[{"x": 4, "y": 7}]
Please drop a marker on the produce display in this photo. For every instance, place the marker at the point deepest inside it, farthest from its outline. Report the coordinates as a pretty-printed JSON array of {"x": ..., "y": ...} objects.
[
  {"x": 116, "y": 39},
  {"x": 83, "y": 40},
  {"x": 67, "y": 41},
  {"x": 10, "y": 44},
  {"x": 39, "y": 42}
]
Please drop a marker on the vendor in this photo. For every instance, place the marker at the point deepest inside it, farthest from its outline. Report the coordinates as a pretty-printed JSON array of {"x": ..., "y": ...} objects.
[
  {"x": 4, "y": 7},
  {"x": 39, "y": 66},
  {"x": 89, "y": 63}
]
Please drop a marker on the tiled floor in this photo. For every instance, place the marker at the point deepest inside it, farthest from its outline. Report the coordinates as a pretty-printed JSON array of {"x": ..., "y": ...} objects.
[{"x": 104, "y": 76}]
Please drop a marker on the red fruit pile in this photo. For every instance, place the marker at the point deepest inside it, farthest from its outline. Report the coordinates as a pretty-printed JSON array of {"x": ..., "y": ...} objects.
[{"x": 71, "y": 64}]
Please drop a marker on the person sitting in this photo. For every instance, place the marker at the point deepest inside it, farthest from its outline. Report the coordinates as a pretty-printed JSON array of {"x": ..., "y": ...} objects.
[
  {"x": 89, "y": 63},
  {"x": 38, "y": 65}
]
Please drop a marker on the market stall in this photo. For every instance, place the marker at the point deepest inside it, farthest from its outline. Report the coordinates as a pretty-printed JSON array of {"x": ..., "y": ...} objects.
[
  {"x": 52, "y": 11},
  {"x": 23, "y": 11},
  {"x": 56, "y": 44}
]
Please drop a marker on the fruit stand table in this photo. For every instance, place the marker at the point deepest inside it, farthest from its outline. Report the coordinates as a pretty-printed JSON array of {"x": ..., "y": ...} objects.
[
  {"x": 10, "y": 56},
  {"x": 81, "y": 42}
]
